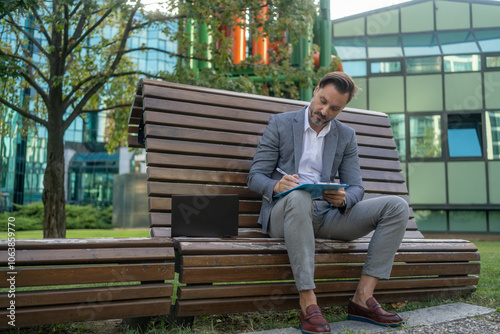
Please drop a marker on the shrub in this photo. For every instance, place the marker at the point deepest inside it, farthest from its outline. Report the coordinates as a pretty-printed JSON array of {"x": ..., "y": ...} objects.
[{"x": 30, "y": 217}]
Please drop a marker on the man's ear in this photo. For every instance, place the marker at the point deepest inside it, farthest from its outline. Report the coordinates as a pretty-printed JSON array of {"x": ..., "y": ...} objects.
[{"x": 315, "y": 90}]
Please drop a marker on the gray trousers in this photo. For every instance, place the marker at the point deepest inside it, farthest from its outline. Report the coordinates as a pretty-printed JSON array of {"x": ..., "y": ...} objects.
[{"x": 299, "y": 220}]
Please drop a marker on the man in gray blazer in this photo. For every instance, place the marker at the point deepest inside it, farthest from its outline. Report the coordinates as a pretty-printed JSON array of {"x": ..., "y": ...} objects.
[{"x": 309, "y": 146}]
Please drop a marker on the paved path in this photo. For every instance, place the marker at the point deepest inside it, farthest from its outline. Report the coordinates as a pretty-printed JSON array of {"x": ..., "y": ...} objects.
[{"x": 454, "y": 318}]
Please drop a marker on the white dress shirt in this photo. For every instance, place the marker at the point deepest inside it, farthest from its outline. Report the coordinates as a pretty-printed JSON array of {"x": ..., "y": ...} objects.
[{"x": 311, "y": 160}]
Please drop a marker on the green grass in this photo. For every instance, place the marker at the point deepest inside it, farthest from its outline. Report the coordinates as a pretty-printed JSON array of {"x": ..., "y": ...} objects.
[{"x": 90, "y": 233}]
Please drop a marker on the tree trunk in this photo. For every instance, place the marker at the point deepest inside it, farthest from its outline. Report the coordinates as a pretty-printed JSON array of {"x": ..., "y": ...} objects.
[{"x": 53, "y": 196}]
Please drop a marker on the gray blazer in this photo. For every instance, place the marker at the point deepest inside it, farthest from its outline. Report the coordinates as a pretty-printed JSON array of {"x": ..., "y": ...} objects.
[{"x": 281, "y": 146}]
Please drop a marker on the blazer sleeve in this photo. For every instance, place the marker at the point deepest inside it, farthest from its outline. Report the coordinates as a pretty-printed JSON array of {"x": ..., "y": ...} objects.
[{"x": 265, "y": 161}]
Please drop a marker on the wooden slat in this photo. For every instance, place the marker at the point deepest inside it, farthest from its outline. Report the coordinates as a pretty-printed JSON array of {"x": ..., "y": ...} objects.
[
  {"x": 164, "y": 188},
  {"x": 163, "y": 105},
  {"x": 172, "y": 132},
  {"x": 165, "y": 204},
  {"x": 88, "y": 295},
  {"x": 90, "y": 255},
  {"x": 151, "y": 117},
  {"x": 270, "y": 289},
  {"x": 275, "y": 259},
  {"x": 274, "y": 246},
  {"x": 88, "y": 312},
  {"x": 89, "y": 274},
  {"x": 272, "y": 273},
  {"x": 79, "y": 243},
  {"x": 180, "y": 160}
]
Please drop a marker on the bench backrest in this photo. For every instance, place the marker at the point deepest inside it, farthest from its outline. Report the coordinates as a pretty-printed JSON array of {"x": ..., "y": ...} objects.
[{"x": 202, "y": 141}]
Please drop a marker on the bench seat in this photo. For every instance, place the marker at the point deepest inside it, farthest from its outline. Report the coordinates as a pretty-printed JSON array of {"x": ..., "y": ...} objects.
[
  {"x": 202, "y": 141},
  {"x": 73, "y": 280}
]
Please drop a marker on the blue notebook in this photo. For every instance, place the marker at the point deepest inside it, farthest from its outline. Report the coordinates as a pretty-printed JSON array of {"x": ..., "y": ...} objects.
[{"x": 316, "y": 189}]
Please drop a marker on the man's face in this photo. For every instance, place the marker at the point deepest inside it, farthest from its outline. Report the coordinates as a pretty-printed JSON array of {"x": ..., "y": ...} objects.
[{"x": 325, "y": 105}]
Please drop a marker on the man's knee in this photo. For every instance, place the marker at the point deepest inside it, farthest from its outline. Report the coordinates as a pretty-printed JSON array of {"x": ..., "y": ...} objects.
[
  {"x": 399, "y": 207},
  {"x": 299, "y": 198}
]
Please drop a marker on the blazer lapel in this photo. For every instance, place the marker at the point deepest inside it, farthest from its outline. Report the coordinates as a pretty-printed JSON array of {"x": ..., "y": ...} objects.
[
  {"x": 331, "y": 140},
  {"x": 298, "y": 136}
]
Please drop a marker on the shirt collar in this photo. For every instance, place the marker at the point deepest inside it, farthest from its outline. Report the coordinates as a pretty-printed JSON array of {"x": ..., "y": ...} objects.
[{"x": 323, "y": 132}]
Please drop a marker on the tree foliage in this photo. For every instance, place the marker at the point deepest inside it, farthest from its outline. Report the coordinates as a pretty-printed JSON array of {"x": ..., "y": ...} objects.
[{"x": 71, "y": 58}]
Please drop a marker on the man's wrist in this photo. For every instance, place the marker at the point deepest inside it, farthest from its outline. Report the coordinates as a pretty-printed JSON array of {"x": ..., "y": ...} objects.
[{"x": 344, "y": 203}]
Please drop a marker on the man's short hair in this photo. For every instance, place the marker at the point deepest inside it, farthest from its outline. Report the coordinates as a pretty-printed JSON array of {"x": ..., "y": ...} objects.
[{"x": 343, "y": 82}]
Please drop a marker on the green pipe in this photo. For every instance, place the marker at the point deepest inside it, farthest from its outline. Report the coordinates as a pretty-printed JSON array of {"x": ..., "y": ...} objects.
[
  {"x": 190, "y": 51},
  {"x": 204, "y": 42},
  {"x": 325, "y": 55},
  {"x": 306, "y": 42}
]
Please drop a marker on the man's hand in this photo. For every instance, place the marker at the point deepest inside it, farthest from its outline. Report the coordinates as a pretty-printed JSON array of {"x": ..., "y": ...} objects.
[
  {"x": 336, "y": 197},
  {"x": 287, "y": 182}
]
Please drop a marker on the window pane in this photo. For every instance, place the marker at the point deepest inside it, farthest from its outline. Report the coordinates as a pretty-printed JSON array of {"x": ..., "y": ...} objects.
[
  {"x": 425, "y": 140},
  {"x": 424, "y": 92},
  {"x": 419, "y": 17},
  {"x": 452, "y": 15},
  {"x": 485, "y": 15},
  {"x": 385, "y": 67},
  {"x": 398, "y": 129},
  {"x": 351, "y": 48},
  {"x": 383, "y": 47},
  {"x": 492, "y": 120},
  {"x": 421, "y": 45},
  {"x": 378, "y": 88},
  {"x": 431, "y": 220},
  {"x": 355, "y": 68},
  {"x": 423, "y": 65},
  {"x": 489, "y": 40},
  {"x": 463, "y": 91},
  {"x": 462, "y": 63},
  {"x": 465, "y": 135},
  {"x": 458, "y": 42},
  {"x": 386, "y": 22},
  {"x": 468, "y": 221},
  {"x": 355, "y": 27},
  {"x": 493, "y": 61}
]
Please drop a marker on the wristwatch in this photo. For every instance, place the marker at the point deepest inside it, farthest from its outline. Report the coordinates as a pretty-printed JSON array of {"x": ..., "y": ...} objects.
[{"x": 343, "y": 204}]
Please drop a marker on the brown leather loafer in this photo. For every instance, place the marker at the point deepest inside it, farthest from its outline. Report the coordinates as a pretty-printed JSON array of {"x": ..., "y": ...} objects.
[
  {"x": 374, "y": 314},
  {"x": 313, "y": 321}
]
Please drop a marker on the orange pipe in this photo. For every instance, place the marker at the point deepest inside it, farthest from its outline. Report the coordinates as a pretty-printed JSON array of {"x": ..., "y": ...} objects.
[
  {"x": 239, "y": 41},
  {"x": 260, "y": 45}
]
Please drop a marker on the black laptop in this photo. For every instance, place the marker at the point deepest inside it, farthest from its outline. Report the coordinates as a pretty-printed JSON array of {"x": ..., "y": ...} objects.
[{"x": 205, "y": 216}]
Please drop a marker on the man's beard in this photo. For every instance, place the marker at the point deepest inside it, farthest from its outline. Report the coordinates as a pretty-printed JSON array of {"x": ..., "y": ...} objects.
[{"x": 320, "y": 120}]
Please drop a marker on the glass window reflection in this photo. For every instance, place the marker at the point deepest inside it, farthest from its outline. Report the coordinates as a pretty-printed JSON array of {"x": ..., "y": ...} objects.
[
  {"x": 398, "y": 129},
  {"x": 423, "y": 65},
  {"x": 462, "y": 63},
  {"x": 350, "y": 48},
  {"x": 421, "y": 45},
  {"x": 492, "y": 127},
  {"x": 425, "y": 136},
  {"x": 489, "y": 40},
  {"x": 355, "y": 68},
  {"x": 458, "y": 42},
  {"x": 465, "y": 135},
  {"x": 385, "y": 67},
  {"x": 385, "y": 47},
  {"x": 493, "y": 61}
]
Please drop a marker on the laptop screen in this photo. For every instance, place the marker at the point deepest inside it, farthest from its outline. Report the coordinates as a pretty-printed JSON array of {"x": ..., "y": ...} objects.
[{"x": 205, "y": 216}]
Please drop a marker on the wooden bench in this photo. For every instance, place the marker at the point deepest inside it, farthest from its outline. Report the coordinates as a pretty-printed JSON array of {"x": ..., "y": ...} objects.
[
  {"x": 73, "y": 280},
  {"x": 202, "y": 141}
]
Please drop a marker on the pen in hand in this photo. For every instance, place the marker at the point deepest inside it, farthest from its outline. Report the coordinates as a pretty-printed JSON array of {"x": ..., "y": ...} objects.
[{"x": 281, "y": 171}]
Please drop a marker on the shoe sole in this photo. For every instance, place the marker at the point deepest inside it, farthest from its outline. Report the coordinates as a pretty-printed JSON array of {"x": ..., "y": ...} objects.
[
  {"x": 368, "y": 320},
  {"x": 305, "y": 332}
]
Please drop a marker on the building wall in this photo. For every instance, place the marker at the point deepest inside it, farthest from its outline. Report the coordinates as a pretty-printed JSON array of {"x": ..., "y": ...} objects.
[{"x": 434, "y": 67}]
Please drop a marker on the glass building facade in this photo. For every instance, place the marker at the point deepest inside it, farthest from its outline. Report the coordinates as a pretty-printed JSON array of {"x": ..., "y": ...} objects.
[
  {"x": 434, "y": 67},
  {"x": 89, "y": 168}
]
